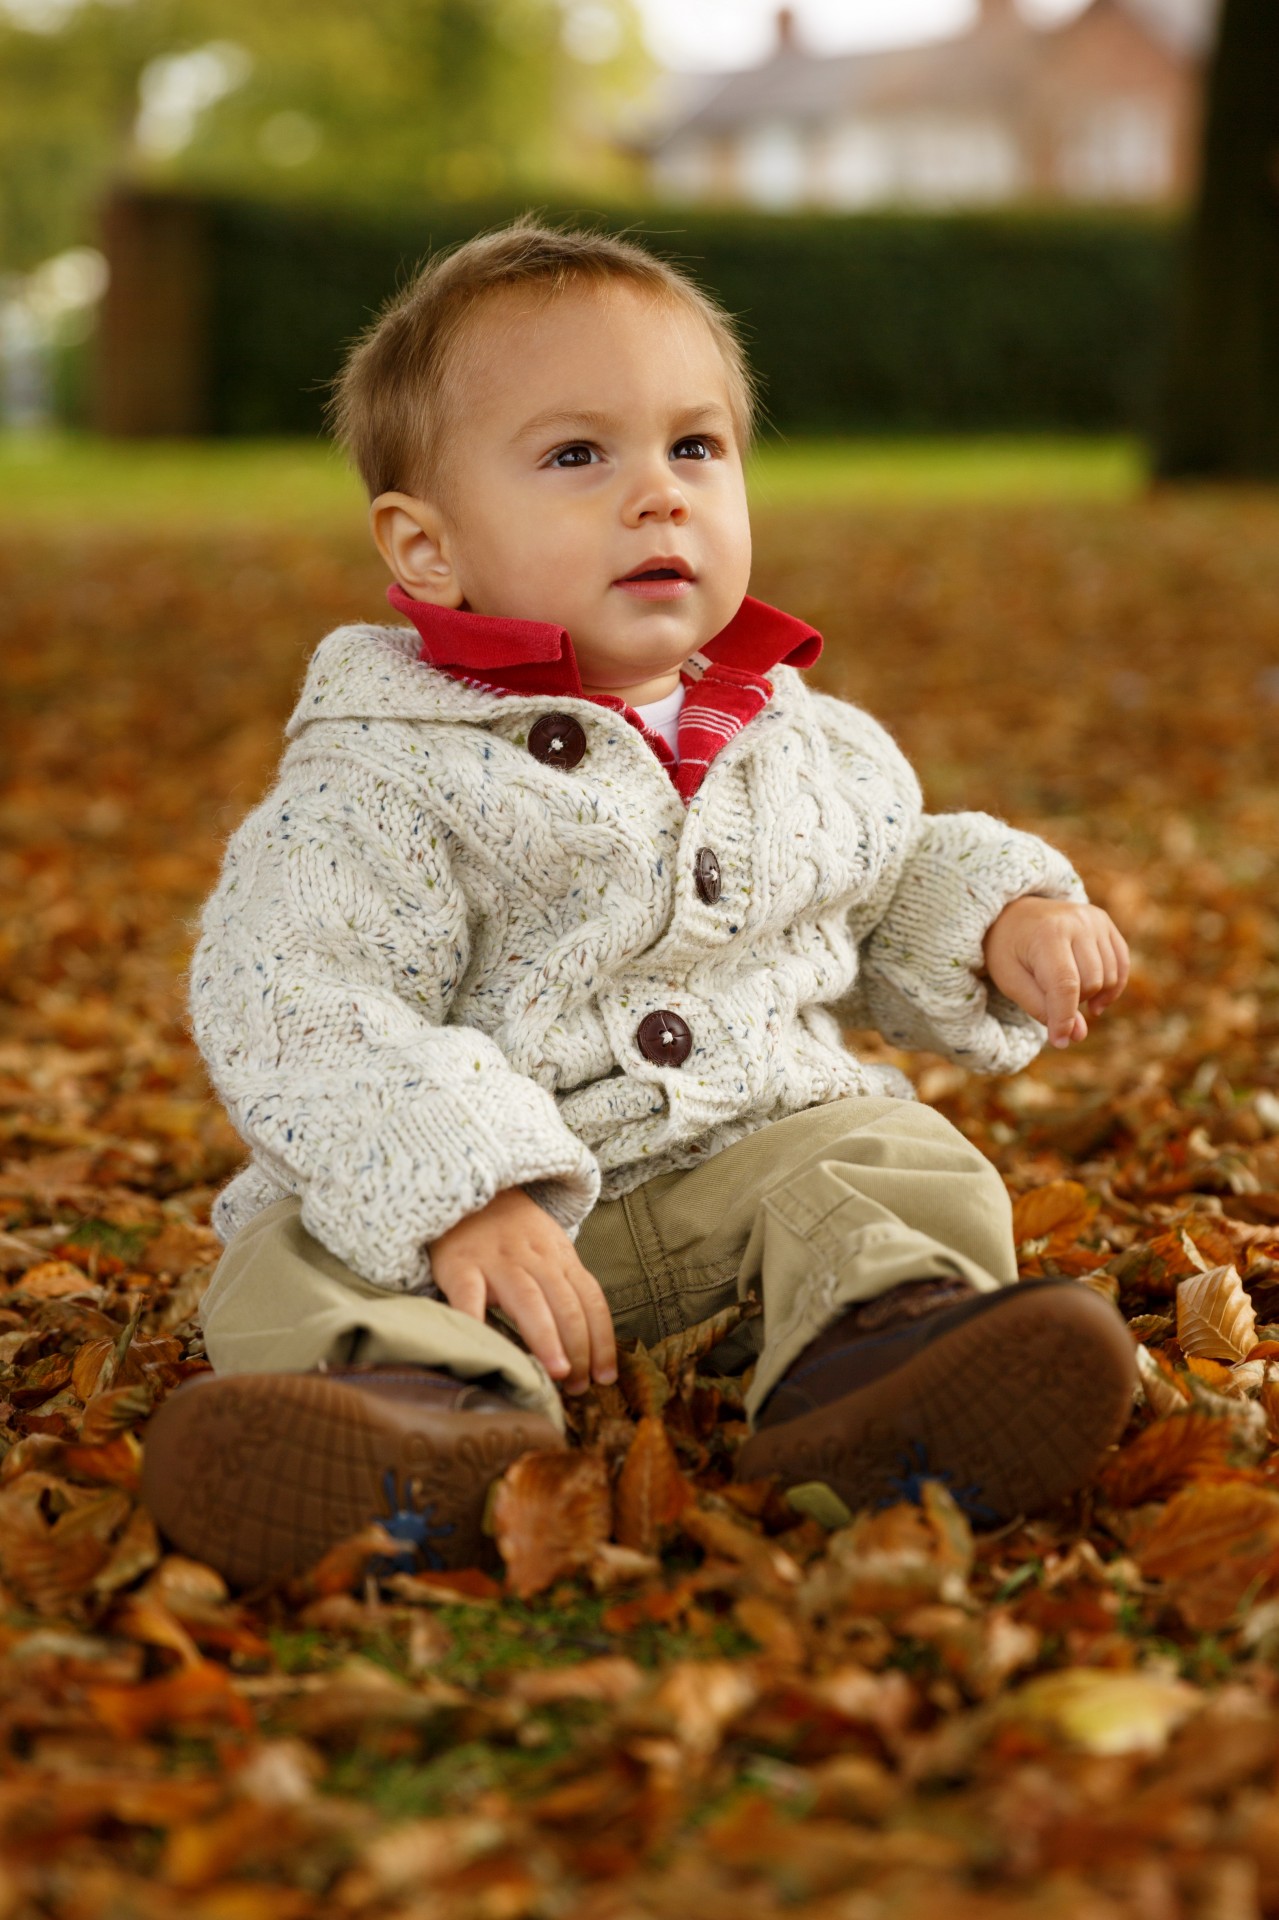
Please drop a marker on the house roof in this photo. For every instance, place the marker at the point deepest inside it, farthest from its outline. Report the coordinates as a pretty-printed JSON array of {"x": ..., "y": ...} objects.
[{"x": 987, "y": 66}]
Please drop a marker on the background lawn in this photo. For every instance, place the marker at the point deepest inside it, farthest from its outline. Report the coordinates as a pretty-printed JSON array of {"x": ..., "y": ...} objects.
[{"x": 297, "y": 482}]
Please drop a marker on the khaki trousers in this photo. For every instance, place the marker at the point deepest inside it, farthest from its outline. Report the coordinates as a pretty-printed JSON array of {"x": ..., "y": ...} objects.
[{"x": 812, "y": 1213}]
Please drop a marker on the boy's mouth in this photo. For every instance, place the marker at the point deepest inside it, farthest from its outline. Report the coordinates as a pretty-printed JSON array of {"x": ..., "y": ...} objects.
[{"x": 660, "y": 578}]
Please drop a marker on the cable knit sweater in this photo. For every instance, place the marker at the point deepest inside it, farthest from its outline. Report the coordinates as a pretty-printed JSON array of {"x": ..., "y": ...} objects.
[{"x": 421, "y": 976}]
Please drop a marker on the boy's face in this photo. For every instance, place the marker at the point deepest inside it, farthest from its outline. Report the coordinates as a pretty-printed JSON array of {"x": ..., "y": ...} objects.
[{"x": 591, "y": 438}]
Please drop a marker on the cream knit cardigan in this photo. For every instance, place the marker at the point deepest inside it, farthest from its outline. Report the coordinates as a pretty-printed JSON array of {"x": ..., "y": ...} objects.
[{"x": 419, "y": 978}]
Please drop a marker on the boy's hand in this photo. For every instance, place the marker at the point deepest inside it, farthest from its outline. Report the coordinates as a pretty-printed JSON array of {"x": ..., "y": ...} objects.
[
  {"x": 512, "y": 1255},
  {"x": 1058, "y": 961}
]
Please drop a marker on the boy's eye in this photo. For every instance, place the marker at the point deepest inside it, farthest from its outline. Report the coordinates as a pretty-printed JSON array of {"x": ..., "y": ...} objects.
[
  {"x": 578, "y": 455},
  {"x": 702, "y": 448}
]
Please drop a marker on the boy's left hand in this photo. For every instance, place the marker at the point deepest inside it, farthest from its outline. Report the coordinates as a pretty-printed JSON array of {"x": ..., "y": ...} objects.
[{"x": 1058, "y": 961}]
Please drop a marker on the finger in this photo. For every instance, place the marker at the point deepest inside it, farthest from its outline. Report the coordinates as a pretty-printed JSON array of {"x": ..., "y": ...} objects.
[
  {"x": 570, "y": 1324},
  {"x": 1115, "y": 957},
  {"x": 574, "y": 1328},
  {"x": 1123, "y": 959},
  {"x": 1091, "y": 960},
  {"x": 1061, "y": 994},
  {"x": 465, "y": 1289},
  {"x": 521, "y": 1298},
  {"x": 599, "y": 1322},
  {"x": 1104, "y": 996}
]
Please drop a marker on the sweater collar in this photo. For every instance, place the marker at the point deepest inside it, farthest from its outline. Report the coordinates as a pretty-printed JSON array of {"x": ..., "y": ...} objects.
[{"x": 535, "y": 656}]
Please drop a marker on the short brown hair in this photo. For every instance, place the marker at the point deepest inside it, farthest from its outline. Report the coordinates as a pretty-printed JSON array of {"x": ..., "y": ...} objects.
[{"x": 389, "y": 402}]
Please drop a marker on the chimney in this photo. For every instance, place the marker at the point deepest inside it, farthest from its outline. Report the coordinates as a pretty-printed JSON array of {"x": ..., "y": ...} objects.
[{"x": 787, "y": 37}]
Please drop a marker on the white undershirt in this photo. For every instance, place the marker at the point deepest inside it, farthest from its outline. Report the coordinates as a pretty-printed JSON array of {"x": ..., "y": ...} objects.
[{"x": 662, "y": 716}]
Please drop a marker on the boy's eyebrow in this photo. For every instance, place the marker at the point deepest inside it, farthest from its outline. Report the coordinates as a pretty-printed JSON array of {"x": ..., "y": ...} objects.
[
  {"x": 590, "y": 417},
  {"x": 562, "y": 417}
]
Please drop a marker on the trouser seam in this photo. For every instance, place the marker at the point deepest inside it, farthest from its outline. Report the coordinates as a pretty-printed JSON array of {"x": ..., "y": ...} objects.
[{"x": 653, "y": 1260}]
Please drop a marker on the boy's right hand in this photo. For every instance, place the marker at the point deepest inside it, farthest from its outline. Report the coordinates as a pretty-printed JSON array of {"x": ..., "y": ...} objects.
[{"x": 512, "y": 1255}]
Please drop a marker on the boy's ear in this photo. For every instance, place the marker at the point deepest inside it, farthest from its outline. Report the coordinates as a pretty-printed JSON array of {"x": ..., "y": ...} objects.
[{"x": 413, "y": 539}]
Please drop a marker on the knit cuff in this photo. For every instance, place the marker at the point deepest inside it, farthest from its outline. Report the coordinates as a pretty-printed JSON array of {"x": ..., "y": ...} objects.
[{"x": 923, "y": 978}]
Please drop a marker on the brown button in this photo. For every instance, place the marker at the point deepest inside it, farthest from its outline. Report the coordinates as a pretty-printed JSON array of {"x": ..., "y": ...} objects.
[
  {"x": 557, "y": 740},
  {"x": 664, "y": 1039},
  {"x": 706, "y": 875}
]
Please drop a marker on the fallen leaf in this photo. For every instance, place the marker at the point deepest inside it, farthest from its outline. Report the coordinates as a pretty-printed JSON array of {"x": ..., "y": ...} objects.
[
  {"x": 344, "y": 1566},
  {"x": 1212, "y": 1545},
  {"x": 679, "y": 1351},
  {"x": 651, "y": 1491},
  {"x": 612, "y": 1679},
  {"x": 1215, "y": 1318},
  {"x": 1105, "y": 1713},
  {"x": 643, "y": 1383},
  {"x": 201, "y": 1695},
  {"x": 1164, "y": 1457},
  {"x": 551, "y": 1512}
]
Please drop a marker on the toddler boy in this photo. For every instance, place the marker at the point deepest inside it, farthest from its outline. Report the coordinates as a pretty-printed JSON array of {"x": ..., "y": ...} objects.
[{"x": 524, "y": 984}]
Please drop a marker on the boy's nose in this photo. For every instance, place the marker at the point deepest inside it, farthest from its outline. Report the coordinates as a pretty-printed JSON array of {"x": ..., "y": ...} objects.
[{"x": 657, "y": 499}]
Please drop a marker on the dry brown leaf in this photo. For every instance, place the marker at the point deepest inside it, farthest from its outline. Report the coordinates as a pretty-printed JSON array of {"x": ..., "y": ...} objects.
[
  {"x": 613, "y": 1566},
  {"x": 54, "y": 1539},
  {"x": 1164, "y": 1457},
  {"x": 763, "y": 1562},
  {"x": 1215, "y": 1318},
  {"x": 179, "y": 1246},
  {"x": 771, "y": 1628},
  {"x": 1164, "y": 1393},
  {"x": 612, "y": 1679},
  {"x": 551, "y": 1512},
  {"x": 697, "y": 1701},
  {"x": 343, "y": 1567},
  {"x": 651, "y": 1491},
  {"x": 1106, "y": 1713},
  {"x": 1063, "y": 1207},
  {"x": 416, "y": 1854},
  {"x": 195, "y": 1696},
  {"x": 890, "y": 1562},
  {"x": 1213, "y": 1544},
  {"x": 134, "y": 1553},
  {"x": 55, "y": 1280},
  {"x": 680, "y": 1350},
  {"x": 115, "y": 1412},
  {"x": 117, "y": 1462},
  {"x": 644, "y": 1385}
]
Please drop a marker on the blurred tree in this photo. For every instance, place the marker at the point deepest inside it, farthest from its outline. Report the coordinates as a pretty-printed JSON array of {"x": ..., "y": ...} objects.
[
  {"x": 385, "y": 104},
  {"x": 1221, "y": 412}
]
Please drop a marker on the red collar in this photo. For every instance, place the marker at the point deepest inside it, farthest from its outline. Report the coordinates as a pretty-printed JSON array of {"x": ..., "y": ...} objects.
[{"x": 535, "y": 656}]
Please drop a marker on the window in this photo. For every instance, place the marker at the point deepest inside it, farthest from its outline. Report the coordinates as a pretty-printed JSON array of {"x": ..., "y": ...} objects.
[
  {"x": 1118, "y": 150},
  {"x": 685, "y": 169},
  {"x": 772, "y": 166},
  {"x": 931, "y": 160}
]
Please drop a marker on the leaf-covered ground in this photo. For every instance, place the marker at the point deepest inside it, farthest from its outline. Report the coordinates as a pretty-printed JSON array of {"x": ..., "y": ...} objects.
[{"x": 679, "y": 1696}]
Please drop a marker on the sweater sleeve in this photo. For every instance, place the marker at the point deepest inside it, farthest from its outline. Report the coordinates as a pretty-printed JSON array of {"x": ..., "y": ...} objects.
[
  {"x": 320, "y": 993},
  {"x": 921, "y": 979}
]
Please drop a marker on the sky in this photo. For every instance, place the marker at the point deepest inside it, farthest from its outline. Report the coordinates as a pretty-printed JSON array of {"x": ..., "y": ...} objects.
[{"x": 714, "y": 35}]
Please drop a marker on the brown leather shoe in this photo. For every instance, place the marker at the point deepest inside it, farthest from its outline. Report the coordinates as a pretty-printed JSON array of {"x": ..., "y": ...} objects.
[
  {"x": 1011, "y": 1398},
  {"x": 258, "y": 1474}
]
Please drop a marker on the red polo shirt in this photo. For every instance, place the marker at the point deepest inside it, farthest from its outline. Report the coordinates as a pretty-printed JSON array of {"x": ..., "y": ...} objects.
[{"x": 725, "y": 684}]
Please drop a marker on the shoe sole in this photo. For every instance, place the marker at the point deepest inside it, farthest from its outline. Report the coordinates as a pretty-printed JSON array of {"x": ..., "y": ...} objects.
[
  {"x": 259, "y": 1475},
  {"x": 1012, "y": 1410}
]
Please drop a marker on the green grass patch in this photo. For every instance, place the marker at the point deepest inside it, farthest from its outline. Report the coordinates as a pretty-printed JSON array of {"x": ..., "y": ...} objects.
[
  {"x": 122, "y": 1243},
  {"x": 898, "y": 472},
  {"x": 413, "y": 1789},
  {"x": 485, "y": 1643},
  {"x": 52, "y": 479}
]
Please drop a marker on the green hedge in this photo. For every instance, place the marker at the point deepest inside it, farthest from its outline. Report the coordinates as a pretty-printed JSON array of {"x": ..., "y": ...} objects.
[{"x": 865, "y": 323}]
